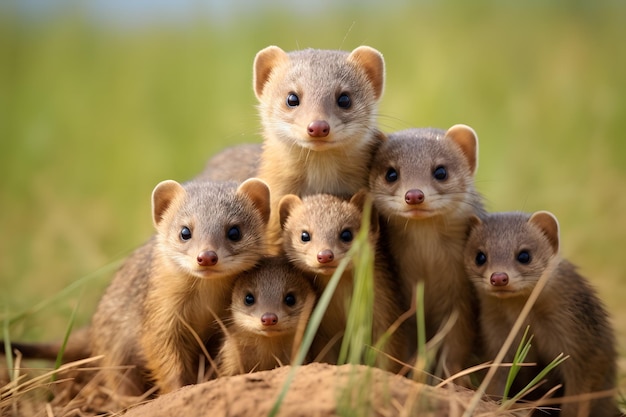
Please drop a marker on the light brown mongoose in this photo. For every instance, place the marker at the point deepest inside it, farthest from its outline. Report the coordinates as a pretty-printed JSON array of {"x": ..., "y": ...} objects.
[
  {"x": 270, "y": 308},
  {"x": 318, "y": 233},
  {"x": 505, "y": 257},
  {"x": 318, "y": 110},
  {"x": 179, "y": 282},
  {"x": 422, "y": 183}
]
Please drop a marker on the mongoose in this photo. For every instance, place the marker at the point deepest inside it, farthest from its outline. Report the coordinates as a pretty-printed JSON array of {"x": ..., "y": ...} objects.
[
  {"x": 506, "y": 254},
  {"x": 318, "y": 233},
  {"x": 180, "y": 281},
  {"x": 422, "y": 182},
  {"x": 271, "y": 305},
  {"x": 318, "y": 113}
]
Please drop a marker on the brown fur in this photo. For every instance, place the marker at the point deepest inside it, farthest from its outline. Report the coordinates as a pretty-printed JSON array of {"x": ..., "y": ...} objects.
[
  {"x": 141, "y": 319},
  {"x": 325, "y": 217},
  {"x": 567, "y": 317},
  {"x": 235, "y": 163},
  {"x": 427, "y": 239},
  {"x": 294, "y": 161},
  {"x": 250, "y": 345}
]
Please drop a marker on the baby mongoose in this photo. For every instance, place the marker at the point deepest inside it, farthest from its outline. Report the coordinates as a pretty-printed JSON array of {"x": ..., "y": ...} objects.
[
  {"x": 318, "y": 233},
  {"x": 318, "y": 112},
  {"x": 179, "y": 282},
  {"x": 506, "y": 255},
  {"x": 270, "y": 308},
  {"x": 422, "y": 183}
]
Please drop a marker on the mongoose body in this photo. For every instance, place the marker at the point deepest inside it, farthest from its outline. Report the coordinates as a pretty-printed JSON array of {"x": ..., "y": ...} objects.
[
  {"x": 422, "y": 185},
  {"x": 270, "y": 308},
  {"x": 318, "y": 234},
  {"x": 235, "y": 163},
  {"x": 179, "y": 282},
  {"x": 318, "y": 112},
  {"x": 506, "y": 255}
]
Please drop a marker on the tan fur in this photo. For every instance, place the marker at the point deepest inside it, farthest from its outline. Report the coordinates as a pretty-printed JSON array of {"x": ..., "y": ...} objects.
[
  {"x": 427, "y": 238},
  {"x": 324, "y": 217},
  {"x": 294, "y": 161},
  {"x": 249, "y": 344},
  {"x": 568, "y": 317},
  {"x": 140, "y": 320}
]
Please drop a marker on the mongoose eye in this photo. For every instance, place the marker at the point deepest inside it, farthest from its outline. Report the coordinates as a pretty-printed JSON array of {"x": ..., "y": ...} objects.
[
  {"x": 391, "y": 175},
  {"x": 523, "y": 257},
  {"x": 290, "y": 300},
  {"x": 185, "y": 233},
  {"x": 293, "y": 100},
  {"x": 234, "y": 234},
  {"x": 440, "y": 173},
  {"x": 249, "y": 299},
  {"x": 305, "y": 236},
  {"x": 345, "y": 236},
  {"x": 344, "y": 101},
  {"x": 481, "y": 258}
]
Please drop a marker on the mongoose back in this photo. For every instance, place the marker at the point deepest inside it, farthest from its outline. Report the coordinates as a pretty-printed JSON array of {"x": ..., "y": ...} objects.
[
  {"x": 235, "y": 163},
  {"x": 422, "y": 182},
  {"x": 271, "y": 305},
  {"x": 180, "y": 281},
  {"x": 506, "y": 255},
  {"x": 318, "y": 111},
  {"x": 318, "y": 233}
]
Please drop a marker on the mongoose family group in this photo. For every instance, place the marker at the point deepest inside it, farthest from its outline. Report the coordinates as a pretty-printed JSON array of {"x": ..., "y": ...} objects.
[{"x": 243, "y": 251}]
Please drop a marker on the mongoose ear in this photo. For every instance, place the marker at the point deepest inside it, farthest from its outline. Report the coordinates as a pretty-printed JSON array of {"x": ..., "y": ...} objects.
[
  {"x": 264, "y": 63},
  {"x": 467, "y": 139},
  {"x": 373, "y": 63},
  {"x": 162, "y": 197},
  {"x": 259, "y": 193},
  {"x": 360, "y": 199},
  {"x": 472, "y": 222},
  {"x": 286, "y": 206},
  {"x": 549, "y": 225}
]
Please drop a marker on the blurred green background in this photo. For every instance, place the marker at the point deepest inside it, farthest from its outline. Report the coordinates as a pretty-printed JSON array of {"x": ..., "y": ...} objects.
[{"x": 99, "y": 101}]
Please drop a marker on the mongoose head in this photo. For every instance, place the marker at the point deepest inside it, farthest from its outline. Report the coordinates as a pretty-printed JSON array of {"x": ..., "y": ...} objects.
[
  {"x": 211, "y": 229},
  {"x": 424, "y": 173},
  {"x": 318, "y": 229},
  {"x": 506, "y": 253},
  {"x": 319, "y": 99},
  {"x": 272, "y": 299}
]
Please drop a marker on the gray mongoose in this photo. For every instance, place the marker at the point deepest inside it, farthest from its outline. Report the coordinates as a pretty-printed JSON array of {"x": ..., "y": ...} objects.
[
  {"x": 179, "y": 282},
  {"x": 318, "y": 233},
  {"x": 506, "y": 254},
  {"x": 422, "y": 183},
  {"x": 318, "y": 111},
  {"x": 270, "y": 308}
]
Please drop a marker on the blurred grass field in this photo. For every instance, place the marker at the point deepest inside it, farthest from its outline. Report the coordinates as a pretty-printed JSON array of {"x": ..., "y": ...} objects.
[{"x": 93, "y": 116}]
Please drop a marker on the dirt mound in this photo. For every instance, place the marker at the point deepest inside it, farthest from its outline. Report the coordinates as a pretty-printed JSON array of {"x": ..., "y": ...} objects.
[{"x": 316, "y": 390}]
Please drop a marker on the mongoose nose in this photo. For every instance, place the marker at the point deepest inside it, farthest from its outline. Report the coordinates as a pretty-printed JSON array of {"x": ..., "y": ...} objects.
[
  {"x": 413, "y": 197},
  {"x": 499, "y": 279},
  {"x": 269, "y": 319},
  {"x": 318, "y": 129},
  {"x": 325, "y": 256},
  {"x": 207, "y": 258}
]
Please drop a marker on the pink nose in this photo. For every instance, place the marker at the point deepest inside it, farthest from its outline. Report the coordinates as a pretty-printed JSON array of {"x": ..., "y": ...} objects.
[
  {"x": 414, "y": 197},
  {"x": 325, "y": 256},
  {"x": 318, "y": 129},
  {"x": 207, "y": 258},
  {"x": 269, "y": 319},
  {"x": 499, "y": 279}
]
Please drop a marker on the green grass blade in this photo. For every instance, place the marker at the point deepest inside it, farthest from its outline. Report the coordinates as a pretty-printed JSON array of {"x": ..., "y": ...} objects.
[
  {"x": 520, "y": 355},
  {"x": 7, "y": 347}
]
